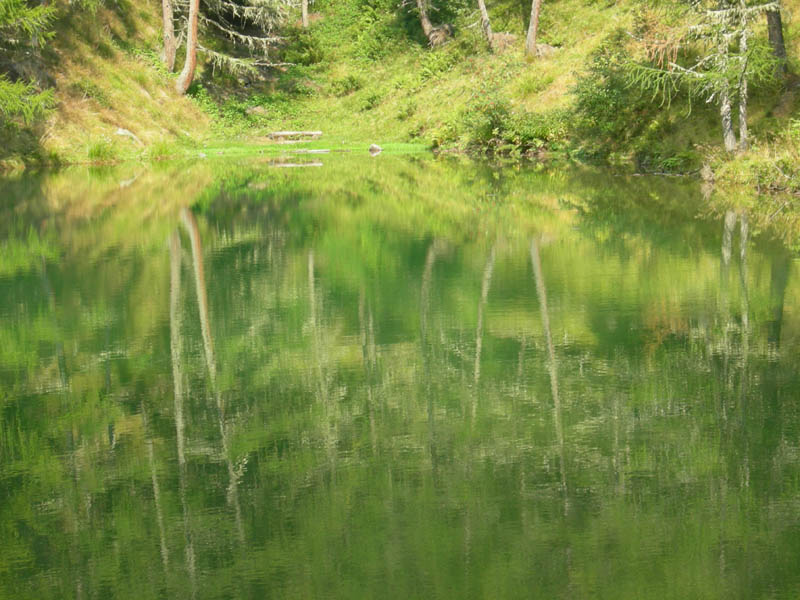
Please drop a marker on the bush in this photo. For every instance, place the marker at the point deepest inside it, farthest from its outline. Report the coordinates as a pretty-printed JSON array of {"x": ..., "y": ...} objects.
[
  {"x": 491, "y": 125},
  {"x": 608, "y": 111},
  {"x": 345, "y": 85},
  {"x": 302, "y": 48}
]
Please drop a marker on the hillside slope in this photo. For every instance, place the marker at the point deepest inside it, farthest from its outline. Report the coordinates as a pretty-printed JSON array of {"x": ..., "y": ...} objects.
[{"x": 104, "y": 68}]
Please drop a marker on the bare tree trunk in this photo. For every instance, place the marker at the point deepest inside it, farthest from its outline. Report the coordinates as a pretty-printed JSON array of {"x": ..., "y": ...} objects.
[
  {"x": 775, "y": 31},
  {"x": 427, "y": 26},
  {"x": 533, "y": 28},
  {"x": 304, "y": 8},
  {"x": 727, "y": 124},
  {"x": 486, "y": 25},
  {"x": 743, "y": 142},
  {"x": 170, "y": 43},
  {"x": 187, "y": 74}
]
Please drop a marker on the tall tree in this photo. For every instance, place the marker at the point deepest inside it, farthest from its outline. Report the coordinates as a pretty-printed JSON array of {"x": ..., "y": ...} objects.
[
  {"x": 775, "y": 32},
  {"x": 436, "y": 35},
  {"x": 23, "y": 30},
  {"x": 533, "y": 28},
  {"x": 170, "y": 43},
  {"x": 304, "y": 9},
  {"x": 189, "y": 65},
  {"x": 486, "y": 25},
  {"x": 706, "y": 49},
  {"x": 238, "y": 35}
]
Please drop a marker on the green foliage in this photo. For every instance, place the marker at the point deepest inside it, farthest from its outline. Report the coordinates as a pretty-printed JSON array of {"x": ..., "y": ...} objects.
[
  {"x": 534, "y": 82},
  {"x": 609, "y": 111},
  {"x": 302, "y": 47},
  {"x": 101, "y": 151},
  {"x": 490, "y": 124},
  {"x": 438, "y": 61},
  {"x": 20, "y": 100},
  {"x": 372, "y": 100},
  {"x": 19, "y": 21},
  {"x": 374, "y": 35},
  {"x": 346, "y": 85},
  {"x": 86, "y": 88},
  {"x": 19, "y": 24},
  {"x": 25, "y": 251}
]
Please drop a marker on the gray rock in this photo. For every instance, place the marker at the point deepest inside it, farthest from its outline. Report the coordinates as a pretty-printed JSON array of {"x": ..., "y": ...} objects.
[
  {"x": 374, "y": 150},
  {"x": 129, "y": 134}
]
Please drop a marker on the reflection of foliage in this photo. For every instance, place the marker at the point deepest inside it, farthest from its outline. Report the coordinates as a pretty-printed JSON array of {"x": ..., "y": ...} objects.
[
  {"x": 25, "y": 253},
  {"x": 351, "y": 428}
]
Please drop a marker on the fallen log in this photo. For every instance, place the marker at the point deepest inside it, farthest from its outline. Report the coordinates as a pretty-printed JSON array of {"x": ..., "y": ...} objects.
[
  {"x": 295, "y": 134},
  {"x": 286, "y": 165}
]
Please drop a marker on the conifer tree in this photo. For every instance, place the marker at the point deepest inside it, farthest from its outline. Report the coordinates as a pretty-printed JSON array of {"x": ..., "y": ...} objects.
[
  {"x": 23, "y": 30},
  {"x": 234, "y": 35},
  {"x": 706, "y": 47}
]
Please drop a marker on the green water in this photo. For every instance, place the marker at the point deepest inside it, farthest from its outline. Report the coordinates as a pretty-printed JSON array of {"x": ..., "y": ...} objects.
[{"x": 393, "y": 378}]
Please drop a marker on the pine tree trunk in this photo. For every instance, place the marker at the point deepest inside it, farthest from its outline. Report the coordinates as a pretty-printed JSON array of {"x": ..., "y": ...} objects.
[
  {"x": 170, "y": 44},
  {"x": 486, "y": 24},
  {"x": 727, "y": 123},
  {"x": 304, "y": 8},
  {"x": 533, "y": 28},
  {"x": 775, "y": 31},
  {"x": 743, "y": 142},
  {"x": 427, "y": 26},
  {"x": 187, "y": 74}
]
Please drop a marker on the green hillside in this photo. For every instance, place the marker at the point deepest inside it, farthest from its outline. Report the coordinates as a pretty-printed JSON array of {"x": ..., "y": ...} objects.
[{"x": 363, "y": 73}]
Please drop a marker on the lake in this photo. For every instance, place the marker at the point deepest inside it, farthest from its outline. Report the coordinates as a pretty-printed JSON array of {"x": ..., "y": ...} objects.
[{"x": 393, "y": 377}]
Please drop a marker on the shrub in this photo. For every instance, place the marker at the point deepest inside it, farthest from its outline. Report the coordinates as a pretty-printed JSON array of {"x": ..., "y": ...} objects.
[
  {"x": 345, "y": 85},
  {"x": 608, "y": 111},
  {"x": 302, "y": 48}
]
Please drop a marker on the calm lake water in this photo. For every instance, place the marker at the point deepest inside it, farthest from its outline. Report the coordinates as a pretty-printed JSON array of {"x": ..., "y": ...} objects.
[{"x": 395, "y": 377}]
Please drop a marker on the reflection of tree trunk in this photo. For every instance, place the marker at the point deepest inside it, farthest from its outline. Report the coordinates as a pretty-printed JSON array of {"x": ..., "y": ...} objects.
[
  {"x": 51, "y": 301},
  {"x": 541, "y": 291},
  {"x": 724, "y": 276},
  {"x": 322, "y": 381},
  {"x": 156, "y": 489},
  {"x": 190, "y": 222},
  {"x": 778, "y": 281},
  {"x": 744, "y": 233},
  {"x": 368, "y": 357},
  {"x": 488, "y": 270},
  {"x": 178, "y": 398},
  {"x": 729, "y": 224},
  {"x": 424, "y": 310}
]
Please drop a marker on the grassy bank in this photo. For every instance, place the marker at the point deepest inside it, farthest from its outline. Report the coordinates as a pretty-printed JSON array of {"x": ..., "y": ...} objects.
[{"x": 363, "y": 73}]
